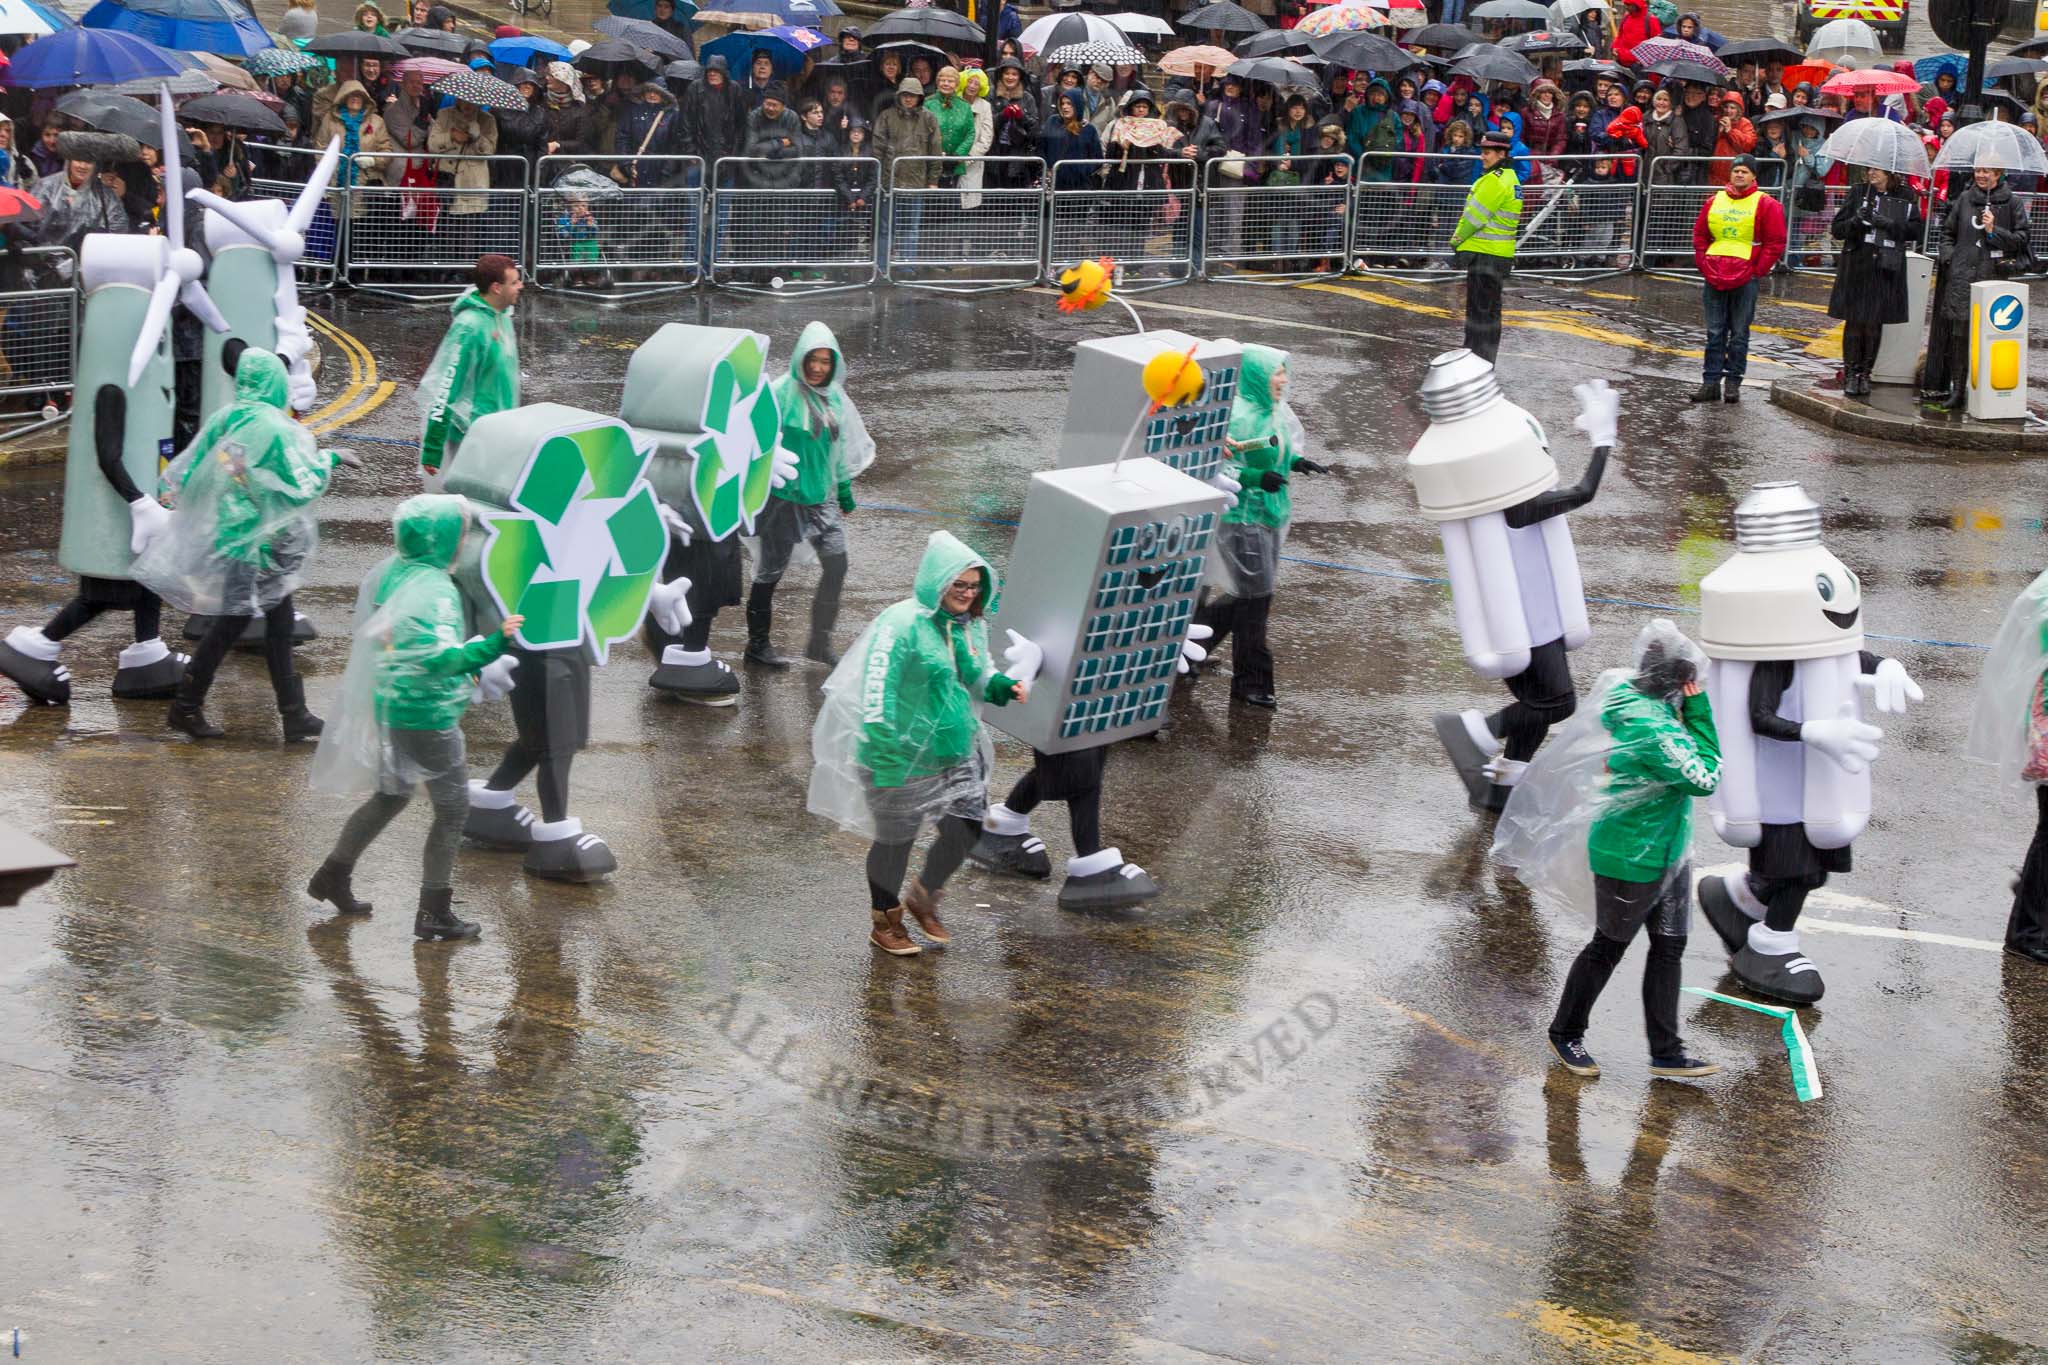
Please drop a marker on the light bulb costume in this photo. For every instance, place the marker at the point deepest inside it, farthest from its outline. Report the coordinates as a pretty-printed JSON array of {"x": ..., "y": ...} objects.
[
  {"x": 703, "y": 397},
  {"x": 1483, "y": 472},
  {"x": 121, "y": 434},
  {"x": 1603, "y": 817},
  {"x": 824, "y": 430},
  {"x": 1106, "y": 565},
  {"x": 2009, "y": 730},
  {"x": 1782, "y": 623},
  {"x": 573, "y": 542}
]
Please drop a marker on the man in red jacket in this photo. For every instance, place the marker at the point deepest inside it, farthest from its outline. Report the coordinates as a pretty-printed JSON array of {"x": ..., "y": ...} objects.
[{"x": 1738, "y": 237}]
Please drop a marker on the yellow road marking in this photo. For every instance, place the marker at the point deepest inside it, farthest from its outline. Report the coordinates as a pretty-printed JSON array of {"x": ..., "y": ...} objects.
[
  {"x": 363, "y": 383},
  {"x": 355, "y": 368},
  {"x": 1591, "y": 1337}
]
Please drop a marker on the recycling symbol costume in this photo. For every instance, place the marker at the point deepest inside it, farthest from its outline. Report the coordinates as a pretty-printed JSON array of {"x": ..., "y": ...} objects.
[
  {"x": 702, "y": 396},
  {"x": 572, "y": 540}
]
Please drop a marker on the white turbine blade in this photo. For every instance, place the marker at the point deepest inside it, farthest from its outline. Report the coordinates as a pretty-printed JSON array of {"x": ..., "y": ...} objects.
[
  {"x": 195, "y": 297},
  {"x": 153, "y": 324},
  {"x": 308, "y": 202},
  {"x": 174, "y": 177},
  {"x": 238, "y": 215}
]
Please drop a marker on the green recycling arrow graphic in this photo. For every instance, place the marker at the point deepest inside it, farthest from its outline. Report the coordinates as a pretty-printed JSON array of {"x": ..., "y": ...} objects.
[{"x": 736, "y": 455}]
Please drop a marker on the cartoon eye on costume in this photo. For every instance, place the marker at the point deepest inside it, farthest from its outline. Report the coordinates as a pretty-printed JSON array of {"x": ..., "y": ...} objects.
[{"x": 1825, "y": 586}]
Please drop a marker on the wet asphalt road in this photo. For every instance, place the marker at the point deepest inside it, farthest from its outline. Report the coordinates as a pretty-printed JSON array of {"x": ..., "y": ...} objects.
[{"x": 1300, "y": 1110}]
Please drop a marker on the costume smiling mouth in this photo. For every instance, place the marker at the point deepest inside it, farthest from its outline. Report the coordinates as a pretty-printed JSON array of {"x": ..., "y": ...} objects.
[{"x": 1843, "y": 619}]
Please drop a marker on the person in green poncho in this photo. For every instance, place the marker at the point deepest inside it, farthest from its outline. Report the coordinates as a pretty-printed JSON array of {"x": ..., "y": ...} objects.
[
  {"x": 239, "y": 537},
  {"x": 823, "y": 429},
  {"x": 1266, "y": 438},
  {"x": 408, "y": 682},
  {"x": 898, "y": 740},
  {"x": 475, "y": 371},
  {"x": 956, "y": 123}
]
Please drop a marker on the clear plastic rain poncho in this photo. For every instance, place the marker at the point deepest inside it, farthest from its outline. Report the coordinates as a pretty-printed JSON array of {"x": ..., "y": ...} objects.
[
  {"x": 1616, "y": 782},
  {"x": 1246, "y": 559},
  {"x": 822, "y": 428},
  {"x": 899, "y": 739},
  {"x": 409, "y": 668},
  {"x": 242, "y": 494},
  {"x": 2009, "y": 728}
]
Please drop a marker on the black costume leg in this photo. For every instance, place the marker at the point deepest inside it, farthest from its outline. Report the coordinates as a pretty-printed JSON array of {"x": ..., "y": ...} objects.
[
  {"x": 1784, "y": 898},
  {"x": 78, "y": 613},
  {"x": 513, "y": 767},
  {"x": 149, "y": 619},
  {"x": 1084, "y": 817},
  {"x": 1024, "y": 797},
  {"x": 2027, "y": 928},
  {"x": 1251, "y": 660},
  {"x": 1543, "y": 698}
]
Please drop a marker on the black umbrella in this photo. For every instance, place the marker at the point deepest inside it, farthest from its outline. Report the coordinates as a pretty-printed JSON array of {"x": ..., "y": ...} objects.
[
  {"x": 1593, "y": 66},
  {"x": 1491, "y": 62},
  {"x": 1695, "y": 72},
  {"x": 683, "y": 71},
  {"x": 1797, "y": 115},
  {"x": 356, "y": 43},
  {"x": 1273, "y": 42},
  {"x": 1998, "y": 68},
  {"x": 108, "y": 113},
  {"x": 641, "y": 33},
  {"x": 1361, "y": 51},
  {"x": 606, "y": 58},
  {"x": 1441, "y": 37},
  {"x": 1274, "y": 70},
  {"x": 1224, "y": 16},
  {"x": 1759, "y": 50},
  {"x": 512, "y": 73},
  {"x": 432, "y": 42},
  {"x": 232, "y": 111},
  {"x": 934, "y": 25},
  {"x": 2032, "y": 47},
  {"x": 1545, "y": 42},
  {"x": 909, "y": 49}
]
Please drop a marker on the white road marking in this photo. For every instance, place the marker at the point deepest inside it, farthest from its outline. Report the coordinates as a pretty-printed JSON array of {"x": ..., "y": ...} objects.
[{"x": 1825, "y": 899}]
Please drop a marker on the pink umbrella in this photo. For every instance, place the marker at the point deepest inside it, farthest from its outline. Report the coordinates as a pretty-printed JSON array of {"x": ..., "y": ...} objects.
[
  {"x": 1653, "y": 50},
  {"x": 433, "y": 68},
  {"x": 1187, "y": 61},
  {"x": 1876, "y": 82}
]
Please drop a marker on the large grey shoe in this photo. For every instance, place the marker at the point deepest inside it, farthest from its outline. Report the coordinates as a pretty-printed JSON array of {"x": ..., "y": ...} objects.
[
  {"x": 562, "y": 852},
  {"x": 1724, "y": 914},
  {"x": 47, "y": 683},
  {"x": 1790, "y": 977},
  {"x": 509, "y": 828},
  {"x": 1116, "y": 887},
  {"x": 149, "y": 671},
  {"x": 1015, "y": 855},
  {"x": 710, "y": 683},
  {"x": 1464, "y": 752}
]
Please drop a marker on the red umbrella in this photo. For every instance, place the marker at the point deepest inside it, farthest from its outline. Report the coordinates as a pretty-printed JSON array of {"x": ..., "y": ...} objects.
[
  {"x": 18, "y": 206},
  {"x": 1876, "y": 82}
]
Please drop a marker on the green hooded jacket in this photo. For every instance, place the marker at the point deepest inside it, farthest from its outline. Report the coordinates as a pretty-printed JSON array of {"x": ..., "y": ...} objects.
[
  {"x": 813, "y": 423},
  {"x": 1660, "y": 761},
  {"x": 473, "y": 374},
  {"x": 253, "y": 465},
  {"x": 1255, "y": 421},
  {"x": 923, "y": 671},
  {"x": 1374, "y": 130},
  {"x": 956, "y": 126},
  {"x": 423, "y": 675}
]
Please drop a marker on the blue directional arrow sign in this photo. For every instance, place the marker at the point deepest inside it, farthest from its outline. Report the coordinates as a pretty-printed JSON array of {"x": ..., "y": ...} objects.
[{"x": 2006, "y": 313}]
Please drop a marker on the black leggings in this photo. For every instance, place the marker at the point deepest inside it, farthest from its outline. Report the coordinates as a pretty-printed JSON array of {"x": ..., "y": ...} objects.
[
  {"x": 1588, "y": 977},
  {"x": 2028, "y": 926},
  {"x": 1784, "y": 897},
  {"x": 1084, "y": 812},
  {"x": 1251, "y": 659},
  {"x": 888, "y": 862},
  {"x": 553, "y": 781},
  {"x": 1543, "y": 698},
  {"x": 220, "y": 637},
  {"x": 78, "y": 613}
]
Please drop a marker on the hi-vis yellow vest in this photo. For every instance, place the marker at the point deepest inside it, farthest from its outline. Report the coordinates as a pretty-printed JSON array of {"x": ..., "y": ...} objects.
[{"x": 1731, "y": 222}]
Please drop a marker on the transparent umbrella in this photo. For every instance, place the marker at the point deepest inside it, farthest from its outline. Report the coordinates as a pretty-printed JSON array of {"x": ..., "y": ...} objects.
[
  {"x": 1879, "y": 143},
  {"x": 1845, "y": 42},
  {"x": 2001, "y": 146}
]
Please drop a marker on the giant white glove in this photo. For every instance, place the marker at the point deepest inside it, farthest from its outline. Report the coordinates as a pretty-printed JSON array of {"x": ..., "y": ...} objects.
[
  {"x": 1227, "y": 486},
  {"x": 147, "y": 519},
  {"x": 677, "y": 525},
  {"x": 1890, "y": 688},
  {"x": 494, "y": 679},
  {"x": 1599, "y": 412},
  {"x": 301, "y": 391},
  {"x": 785, "y": 466},
  {"x": 667, "y": 606},
  {"x": 1851, "y": 743},
  {"x": 1023, "y": 659},
  {"x": 1191, "y": 651}
]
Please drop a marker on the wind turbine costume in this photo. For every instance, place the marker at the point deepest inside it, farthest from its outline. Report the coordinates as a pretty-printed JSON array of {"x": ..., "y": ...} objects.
[
  {"x": 1484, "y": 474},
  {"x": 1782, "y": 624},
  {"x": 121, "y": 433}
]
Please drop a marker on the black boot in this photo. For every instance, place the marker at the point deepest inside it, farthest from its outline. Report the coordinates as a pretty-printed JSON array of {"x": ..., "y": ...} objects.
[
  {"x": 760, "y": 621},
  {"x": 185, "y": 713},
  {"x": 330, "y": 884},
  {"x": 299, "y": 723},
  {"x": 1958, "y": 396},
  {"x": 1731, "y": 389},
  {"x": 1709, "y": 391},
  {"x": 436, "y": 921}
]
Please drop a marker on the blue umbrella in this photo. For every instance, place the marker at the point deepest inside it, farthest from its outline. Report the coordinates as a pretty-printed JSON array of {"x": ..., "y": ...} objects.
[
  {"x": 222, "y": 26},
  {"x": 522, "y": 50},
  {"x": 1927, "y": 68},
  {"x": 784, "y": 45},
  {"x": 88, "y": 56},
  {"x": 644, "y": 9},
  {"x": 785, "y": 11}
]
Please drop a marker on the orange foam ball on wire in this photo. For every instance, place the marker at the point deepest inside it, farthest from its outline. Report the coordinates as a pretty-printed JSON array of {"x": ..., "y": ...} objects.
[{"x": 1086, "y": 286}]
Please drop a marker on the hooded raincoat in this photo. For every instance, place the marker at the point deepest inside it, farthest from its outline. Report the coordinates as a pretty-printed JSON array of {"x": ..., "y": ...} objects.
[
  {"x": 473, "y": 374},
  {"x": 1247, "y": 559},
  {"x": 898, "y": 740},
  {"x": 821, "y": 427}
]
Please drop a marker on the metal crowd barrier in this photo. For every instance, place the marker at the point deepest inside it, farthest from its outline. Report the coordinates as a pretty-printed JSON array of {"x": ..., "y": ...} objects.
[
  {"x": 990, "y": 238},
  {"x": 2036, "y": 202},
  {"x": 1810, "y": 243},
  {"x": 281, "y": 173},
  {"x": 1673, "y": 195},
  {"x": 617, "y": 227},
  {"x": 1283, "y": 232},
  {"x": 38, "y": 338},
  {"x": 421, "y": 242},
  {"x": 815, "y": 235},
  {"x": 1142, "y": 213},
  {"x": 1403, "y": 228},
  {"x": 1577, "y": 223}
]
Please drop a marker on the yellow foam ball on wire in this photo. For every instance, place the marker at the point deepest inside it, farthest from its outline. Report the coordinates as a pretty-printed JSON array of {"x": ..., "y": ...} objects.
[{"x": 1172, "y": 378}]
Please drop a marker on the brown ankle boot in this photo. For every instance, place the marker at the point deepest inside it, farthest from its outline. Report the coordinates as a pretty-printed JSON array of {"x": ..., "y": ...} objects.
[
  {"x": 923, "y": 906},
  {"x": 888, "y": 933}
]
